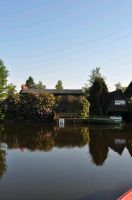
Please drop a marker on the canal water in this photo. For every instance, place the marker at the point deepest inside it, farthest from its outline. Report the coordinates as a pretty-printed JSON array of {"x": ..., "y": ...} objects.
[{"x": 39, "y": 162}]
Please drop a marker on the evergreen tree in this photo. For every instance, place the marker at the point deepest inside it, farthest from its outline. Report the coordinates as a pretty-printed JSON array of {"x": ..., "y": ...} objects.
[
  {"x": 95, "y": 73},
  {"x": 30, "y": 82},
  {"x": 59, "y": 85},
  {"x": 97, "y": 94}
]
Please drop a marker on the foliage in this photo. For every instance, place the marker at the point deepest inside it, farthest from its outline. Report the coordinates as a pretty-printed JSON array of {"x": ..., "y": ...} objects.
[
  {"x": 30, "y": 82},
  {"x": 28, "y": 103},
  {"x": 40, "y": 85},
  {"x": 65, "y": 104},
  {"x": 72, "y": 104},
  {"x": 84, "y": 105},
  {"x": 59, "y": 85},
  {"x": 97, "y": 94},
  {"x": 10, "y": 90},
  {"x": 3, "y": 78},
  {"x": 118, "y": 86},
  {"x": 28, "y": 107},
  {"x": 2, "y": 111},
  {"x": 37, "y": 106},
  {"x": 11, "y": 107},
  {"x": 95, "y": 73},
  {"x": 86, "y": 90}
]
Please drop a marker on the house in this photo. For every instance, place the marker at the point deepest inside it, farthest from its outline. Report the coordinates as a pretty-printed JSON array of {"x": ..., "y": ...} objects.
[
  {"x": 128, "y": 91},
  {"x": 116, "y": 104},
  {"x": 55, "y": 92},
  {"x": 68, "y": 103}
]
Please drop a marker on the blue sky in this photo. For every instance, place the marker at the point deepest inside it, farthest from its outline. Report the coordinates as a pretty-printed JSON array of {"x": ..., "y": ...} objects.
[{"x": 65, "y": 39}]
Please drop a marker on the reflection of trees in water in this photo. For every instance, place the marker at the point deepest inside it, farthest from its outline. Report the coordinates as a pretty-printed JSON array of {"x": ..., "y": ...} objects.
[
  {"x": 2, "y": 162},
  {"x": 39, "y": 137},
  {"x": 44, "y": 138},
  {"x": 72, "y": 137},
  {"x": 98, "y": 146},
  {"x": 103, "y": 139},
  {"x": 31, "y": 137},
  {"x": 3, "y": 166}
]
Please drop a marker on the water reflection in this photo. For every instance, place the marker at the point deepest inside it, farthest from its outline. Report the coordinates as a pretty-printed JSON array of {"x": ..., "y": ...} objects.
[
  {"x": 3, "y": 166},
  {"x": 101, "y": 140},
  {"x": 98, "y": 146},
  {"x": 45, "y": 138}
]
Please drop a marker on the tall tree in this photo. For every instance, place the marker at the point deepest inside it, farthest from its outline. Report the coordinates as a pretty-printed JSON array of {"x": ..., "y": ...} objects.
[
  {"x": 40, "y": 85},
  {"x": 30, "y": 82},
  {"x": 97, "y": 95},
  {"x": 3, "y": 78},
  {"x": 95, "y": 73},
  {"x": 59, "y": 85}
]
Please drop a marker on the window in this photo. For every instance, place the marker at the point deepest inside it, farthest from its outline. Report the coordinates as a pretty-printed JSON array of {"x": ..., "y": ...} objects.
[{"x": 120, "y": 102}]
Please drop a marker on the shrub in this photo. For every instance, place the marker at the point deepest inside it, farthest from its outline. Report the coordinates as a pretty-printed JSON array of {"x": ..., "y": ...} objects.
[{"x": 72, "y": 104}]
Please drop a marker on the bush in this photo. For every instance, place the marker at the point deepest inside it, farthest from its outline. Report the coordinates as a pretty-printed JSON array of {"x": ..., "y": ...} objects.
[
  {"x": 11, "y": 107},
  {"x": 41, "y": 106},
  {"x": 28, "y": 107},
  {"x": 37, "y": 106},
  {"x": 72, "y": 104}
]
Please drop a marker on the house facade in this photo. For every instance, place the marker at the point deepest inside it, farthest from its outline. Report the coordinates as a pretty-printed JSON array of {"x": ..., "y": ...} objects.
[{"x": 55, "y": 92}]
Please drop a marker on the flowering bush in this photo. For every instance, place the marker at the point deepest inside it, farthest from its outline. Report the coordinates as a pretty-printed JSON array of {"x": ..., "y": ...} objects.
[{"x": 28, "y": 107}]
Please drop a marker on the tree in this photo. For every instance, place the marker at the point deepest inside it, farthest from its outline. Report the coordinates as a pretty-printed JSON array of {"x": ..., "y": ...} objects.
[
  {"x": 86, "y": 90},
  {"x": 95, "y": 73},
  {"x": 40, "y": 85},
  {"x": 97, "y": 95},
  {"x": 59, "y": 85},
  {"x": 10, "y": 90},
  {"x": 3, "y": 78},
  {"x": 118, "y": 86},
  {"x": 30, "y": 82}
]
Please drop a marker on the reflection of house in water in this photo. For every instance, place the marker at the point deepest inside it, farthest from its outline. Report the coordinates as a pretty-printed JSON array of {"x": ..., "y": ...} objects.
[
  {"x": 129, "y": 147},
  {"x": 45, "y": 138},
  {"x": 101, "y": 141}
]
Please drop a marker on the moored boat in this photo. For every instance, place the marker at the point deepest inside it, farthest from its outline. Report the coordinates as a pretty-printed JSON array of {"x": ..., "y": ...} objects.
[{"x": 105, "y": 120}]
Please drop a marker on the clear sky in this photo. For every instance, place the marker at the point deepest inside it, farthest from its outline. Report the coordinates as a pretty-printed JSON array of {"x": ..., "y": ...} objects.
[{"x": 66, "y": 39}]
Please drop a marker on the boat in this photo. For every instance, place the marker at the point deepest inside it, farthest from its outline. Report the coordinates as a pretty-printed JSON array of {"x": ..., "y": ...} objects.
[
  {"x": 113, "y": 120},
  {"x": 126, "y": 196}
]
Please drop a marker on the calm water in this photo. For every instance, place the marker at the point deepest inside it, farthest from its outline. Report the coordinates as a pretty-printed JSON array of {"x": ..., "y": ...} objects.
[{"x": 75, "y": 163}]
